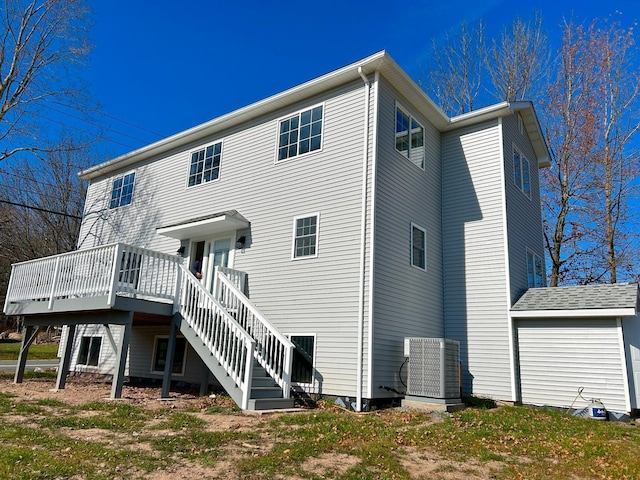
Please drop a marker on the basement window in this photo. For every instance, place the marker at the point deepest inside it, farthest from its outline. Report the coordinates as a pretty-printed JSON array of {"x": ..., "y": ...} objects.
[
  {"x": 161, "y": 346},
  {"x": 89, "y": 353}
]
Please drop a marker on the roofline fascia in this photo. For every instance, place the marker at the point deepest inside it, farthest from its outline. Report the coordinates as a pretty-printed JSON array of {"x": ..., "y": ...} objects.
[
  {"x": 581, "y": 313},
  {"x": 493, "y": 112}
]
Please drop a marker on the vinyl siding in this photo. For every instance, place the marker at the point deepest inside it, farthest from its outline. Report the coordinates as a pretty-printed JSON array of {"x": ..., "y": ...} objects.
[
  {"x": 407, "y": 300},
  {"x": 558, "y": 356},
  {"x": 475, "y": 277},
  {"x": 316, "y": 295},
  {"x": 524, "y": 215}
]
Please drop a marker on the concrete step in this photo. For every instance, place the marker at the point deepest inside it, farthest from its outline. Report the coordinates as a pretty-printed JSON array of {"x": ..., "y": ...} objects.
[{"x": 270, "y": 403}]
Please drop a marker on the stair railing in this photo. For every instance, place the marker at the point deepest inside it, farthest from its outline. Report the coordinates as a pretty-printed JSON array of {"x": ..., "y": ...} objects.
[
  {"x": 274, "y": 351},
  {"x": 225, "y": 338}
]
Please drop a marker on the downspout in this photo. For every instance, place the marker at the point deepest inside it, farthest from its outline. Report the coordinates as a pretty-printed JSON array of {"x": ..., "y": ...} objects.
[
  {"x": 372, "y": 228},
  {"x": 363, "y": 241}
]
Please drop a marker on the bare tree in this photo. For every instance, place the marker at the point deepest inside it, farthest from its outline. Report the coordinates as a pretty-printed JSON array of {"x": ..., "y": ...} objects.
[
  {"x": 42, "y": 43},
  {"x": 457, "y": 74},
  {"x": 571, "y": 137},
  {"x": 617, "y": 161},
  {"x": 41, "y": 206},
  {"x": 517, "y": 63}
]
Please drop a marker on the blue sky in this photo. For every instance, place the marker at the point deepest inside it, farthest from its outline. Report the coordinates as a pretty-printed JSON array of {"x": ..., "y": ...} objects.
[{"x": 166, "y": 66}]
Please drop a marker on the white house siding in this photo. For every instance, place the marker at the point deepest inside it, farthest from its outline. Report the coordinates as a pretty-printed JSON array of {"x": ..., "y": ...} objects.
[
  {"x": 559, "y": 356},
  {"x": 523, "y": 214},
  {"x": 407, "y": 300},
  {"x": 269, "y": 195},
  {"x": 475, "y": 277}
]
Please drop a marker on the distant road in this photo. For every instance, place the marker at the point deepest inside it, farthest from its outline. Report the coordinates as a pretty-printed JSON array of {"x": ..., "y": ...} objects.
[{"x": 10, "y": 365}]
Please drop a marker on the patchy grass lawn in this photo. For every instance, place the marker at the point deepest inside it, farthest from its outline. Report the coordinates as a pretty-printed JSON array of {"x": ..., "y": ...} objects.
[
  {"x": 9, "y": 350},
  {"x": 53, "y": 437}
]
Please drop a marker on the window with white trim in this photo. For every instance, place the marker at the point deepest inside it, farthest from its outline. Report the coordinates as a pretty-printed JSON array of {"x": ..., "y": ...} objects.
[
  {"x": 303, "y": 362},
  {"x": 521, "y": 173},
  {"x": 122, "y": 190},
  {"x": 535, "y": 271},
  {"x": 409, "y": 137},
  {"x": 89, "y": 353},
  {"x": 205, "y": 164},
  {"x": 418, "y": 247},
  {"x": 300, "y": 133},
  {"x": 160, "y": 348},
  {"x": 305, "y": 236}
]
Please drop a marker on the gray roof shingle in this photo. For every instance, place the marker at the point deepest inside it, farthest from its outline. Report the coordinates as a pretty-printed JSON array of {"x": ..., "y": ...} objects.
[{"x": 583, "y": 297}]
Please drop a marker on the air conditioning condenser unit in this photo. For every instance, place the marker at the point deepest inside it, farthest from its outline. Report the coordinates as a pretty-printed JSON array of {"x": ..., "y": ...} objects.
[{"x": 434, "y": 368}]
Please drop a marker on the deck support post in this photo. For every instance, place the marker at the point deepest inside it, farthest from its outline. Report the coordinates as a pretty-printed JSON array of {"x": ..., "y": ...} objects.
[
  {"x": 168, "y": 364},
  {"x": 204, "y": 380},
  {"x": 65, "y": 361},
  {"x": 29, "y": 334},
  {"x": 121, "y": 358}
]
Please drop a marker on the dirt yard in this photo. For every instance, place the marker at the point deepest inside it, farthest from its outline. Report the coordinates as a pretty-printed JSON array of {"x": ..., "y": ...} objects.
[{"x": 420, "y": 464}]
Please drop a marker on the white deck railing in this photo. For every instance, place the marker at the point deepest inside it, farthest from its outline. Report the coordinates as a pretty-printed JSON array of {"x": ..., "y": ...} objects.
[
  {"x": 225, "y": 338},
  {"x": 108, "y": 270},
  {"x": 273, "y": 350}
]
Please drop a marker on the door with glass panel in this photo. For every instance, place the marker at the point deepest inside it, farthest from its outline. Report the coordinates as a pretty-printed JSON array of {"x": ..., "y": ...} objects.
[{"x": 216, "y": 255}]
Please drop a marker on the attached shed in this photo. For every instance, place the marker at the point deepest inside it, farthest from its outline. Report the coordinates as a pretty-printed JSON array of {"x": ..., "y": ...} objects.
[{"x": 579, "y": 337}]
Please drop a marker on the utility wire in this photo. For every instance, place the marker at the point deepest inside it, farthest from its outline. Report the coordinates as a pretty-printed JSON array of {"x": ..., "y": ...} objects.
[
  {"x": 96, "y": 124},
  {"x": 82, "y": 130},
  {"x": 41, "y": 209}
]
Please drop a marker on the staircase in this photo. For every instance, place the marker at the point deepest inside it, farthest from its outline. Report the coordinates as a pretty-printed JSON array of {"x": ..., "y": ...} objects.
[{"x": 246, "y": 354}]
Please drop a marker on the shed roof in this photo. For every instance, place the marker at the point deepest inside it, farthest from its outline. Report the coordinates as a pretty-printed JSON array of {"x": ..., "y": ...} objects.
[{"x": 607, "y": 300}]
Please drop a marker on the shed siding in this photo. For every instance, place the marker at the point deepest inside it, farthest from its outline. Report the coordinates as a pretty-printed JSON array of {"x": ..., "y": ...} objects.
[
  {"x": 407, "y": 300},
  {"x": 475, "y": 276},
  {"x": 524, "y": 215},
  {"x": 269, "y": 195},
  {"x": 559, "y": 356}
]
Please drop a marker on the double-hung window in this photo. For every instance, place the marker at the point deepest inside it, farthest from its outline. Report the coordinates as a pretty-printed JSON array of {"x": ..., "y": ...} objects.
[
  {"x": 521, "y": 173},
  {"x": 122, "y": 190},
  {"x": 300, "y": 133},
  {"x": 305, "y": 236},
  {"x": 205, "y": 164},
  {"x": 409, "y": 137},
  {"x": 535, "y": 270},
  {"x": 89, "y": 353},
  {"x": 418, "y": 247}
]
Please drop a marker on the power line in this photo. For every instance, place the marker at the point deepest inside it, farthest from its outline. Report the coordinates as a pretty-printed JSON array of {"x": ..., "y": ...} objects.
[
  {"x": 95, "y": 123},
  {"x": 102, "y": 137},
  {"x": 40, "y": 209}
]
